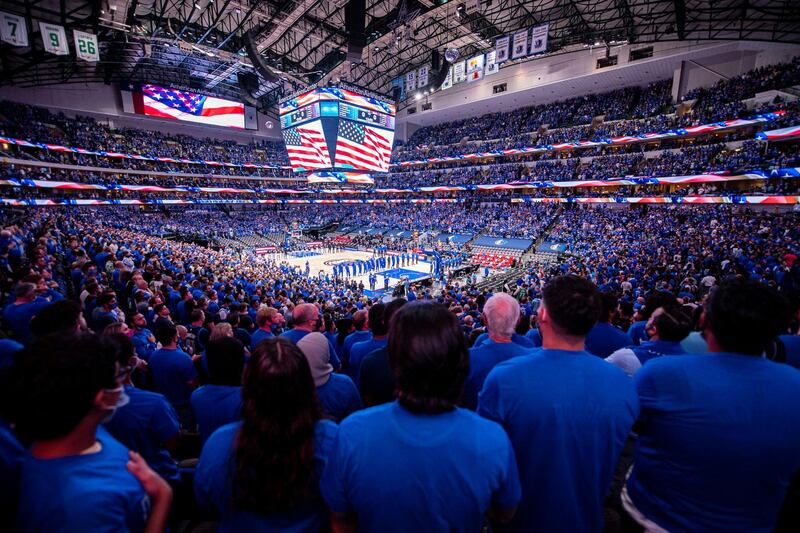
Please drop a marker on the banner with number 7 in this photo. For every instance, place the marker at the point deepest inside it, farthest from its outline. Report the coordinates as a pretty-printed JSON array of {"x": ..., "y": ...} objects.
[
  {"x": 54, "y": 38},
  {"x": 13, "y": 29},
  {"x": 86, "y": 45}
]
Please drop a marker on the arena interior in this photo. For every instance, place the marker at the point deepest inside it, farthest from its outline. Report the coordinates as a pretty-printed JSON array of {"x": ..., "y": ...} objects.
[{"x": 400, "y": 266}]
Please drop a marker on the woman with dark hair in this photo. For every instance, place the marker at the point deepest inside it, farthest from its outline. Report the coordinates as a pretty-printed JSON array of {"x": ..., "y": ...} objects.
[
  {"x": 219, "y": 402},
  {"x": 262, "y": 473},
  {"x": 421, "y": 463}
]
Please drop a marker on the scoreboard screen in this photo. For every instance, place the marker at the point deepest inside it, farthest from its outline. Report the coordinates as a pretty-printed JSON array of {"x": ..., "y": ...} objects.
[{"x": 332, "y": 128}]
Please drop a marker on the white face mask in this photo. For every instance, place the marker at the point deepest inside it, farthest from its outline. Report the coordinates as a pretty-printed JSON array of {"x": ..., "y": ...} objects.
[{"x": 122, "y": 400}]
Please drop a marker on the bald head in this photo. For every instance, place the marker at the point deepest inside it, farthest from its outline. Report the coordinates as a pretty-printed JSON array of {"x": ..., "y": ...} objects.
[
  {"x": 502, "y": 314},
  {"x": 304, "y": 315}
]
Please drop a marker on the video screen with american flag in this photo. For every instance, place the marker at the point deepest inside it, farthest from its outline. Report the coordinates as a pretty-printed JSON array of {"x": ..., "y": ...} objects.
[
  {"x": 155, "y": 101},
  {"x": 336, "y": 129}
]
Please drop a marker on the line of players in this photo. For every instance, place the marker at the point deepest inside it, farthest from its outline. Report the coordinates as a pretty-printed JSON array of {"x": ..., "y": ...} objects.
[{"x": 359, "y": 267}]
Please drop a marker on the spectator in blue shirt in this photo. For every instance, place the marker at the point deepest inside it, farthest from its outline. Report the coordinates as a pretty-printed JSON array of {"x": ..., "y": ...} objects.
[
  {"x": 305, "y": 319},
  {"x": 361, "y": 334},
  {"x": 267, "y": 318},
  {"x": 147, "y": 424},
  {"x": 143, "y": 339},
  {"x": 666, "y": 328},
  {"x": 337, "y": 394},
  {"x": 262, "y": 474},
  {"x": 421, "y": 463},
  {"x": 501, "y": 313},
  {"x": 379, "y": 328},
  {"x": 63, "y": 317},
  {"x": 173, "y": 371},
  {"x": 719, "y": 435},
  {"x": 220, "y": 402},
  {"x": 79, "y": 477},
  {"x": 605, "y": 338},
  {"x": 18, "y": 315},
  {"x": 376, "y": 380},
  {"x": 638, "y": 331},
  {"x": 568, "y": 414}
]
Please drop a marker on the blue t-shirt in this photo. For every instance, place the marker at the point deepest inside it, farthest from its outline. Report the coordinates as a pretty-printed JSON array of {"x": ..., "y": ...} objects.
[
  {"x": 398, "y": 471},
  {"x": 172, "y": 371},
  {"x": 350, "y": 340},
  {"x": 258, "y": 336},
  {"x": 637, "y": 332},
  {"x": 516, "y": 338},
  {"x": 790, "y": 349},
  {"x": 339, "y": 397},
  {"x": 213, "y": 485},
  {"x": 359, "y": 351},
  {"x": 214, "y": 406},
  {"x": 482, "y": 360},
  {"x": 145, "y": 425},
  {"x": 12, "y": 457},
  {"x": 18, "y": 318},
  {"x": 535, "y": 337},
  {"x": 568, "y": 415},
  {"x": 8, "y": 349},
  {"x": 605, "y": 339},
  {"x": 718, "y": 444},
  {"x": 93, "y": 492}
]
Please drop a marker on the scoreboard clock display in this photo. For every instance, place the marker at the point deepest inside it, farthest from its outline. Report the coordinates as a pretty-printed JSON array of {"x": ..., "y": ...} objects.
[
  {"x": 300, "y": 115},
  {"x": 366, "y": 116}
]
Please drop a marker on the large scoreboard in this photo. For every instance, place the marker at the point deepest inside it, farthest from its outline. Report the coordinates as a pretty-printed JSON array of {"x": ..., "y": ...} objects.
[{"x": 337, "y": 129}]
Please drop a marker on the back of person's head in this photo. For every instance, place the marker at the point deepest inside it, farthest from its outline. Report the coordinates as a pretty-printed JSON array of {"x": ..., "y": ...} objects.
[
  {"x": 114, "y": 328},
  {"x": 429, "y": 357},
  {"x": 274, "y": 448},
  {"x": 233, "y": 319},
  {"x": 303, "y": 314},
  {"x": 572, "y": 304},
  {"x": 197, "y": 315},
  {"x": 608, "y": 306},
  {"x": 225, "y": 359},
  {"x": 744, "y": 316},
  {"x": 343, "y": 326},
  {"x": 166, "y": 333},
  {"x": 24, "y": 290},
  {"x": 106, "y": 299},
  {"x": 672, "y": 323},
  {"x": 57, "y": 381},
  {"x": 655, "y": 300},
  {"x": 220, "y": 331},
  {"x": 377, "y": 323},
  {"x": 63, "y": 317},
  {"x": 123, "y": 348},
  {"x": 360, "y": 320},
  {"x": 502, "y": 315}
]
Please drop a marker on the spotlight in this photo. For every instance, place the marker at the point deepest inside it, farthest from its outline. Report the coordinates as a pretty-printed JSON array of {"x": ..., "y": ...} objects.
[{"x": 418, "y": 96}]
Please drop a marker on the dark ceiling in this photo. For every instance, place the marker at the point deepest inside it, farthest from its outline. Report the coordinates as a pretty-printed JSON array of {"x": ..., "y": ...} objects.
[{"x": 199, "y": 44}]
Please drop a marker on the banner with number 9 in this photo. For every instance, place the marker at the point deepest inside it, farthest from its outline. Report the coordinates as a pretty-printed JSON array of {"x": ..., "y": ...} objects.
[{"x": 54, "y": 38}]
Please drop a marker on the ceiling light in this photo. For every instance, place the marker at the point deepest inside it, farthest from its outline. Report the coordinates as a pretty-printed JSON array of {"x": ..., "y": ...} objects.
[{"x": 418, "y": 96}]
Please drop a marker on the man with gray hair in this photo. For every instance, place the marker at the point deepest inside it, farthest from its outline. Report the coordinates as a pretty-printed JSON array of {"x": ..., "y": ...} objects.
[
  {"x": 306, "y": 319},
  {"x": 501, "y": 314}
]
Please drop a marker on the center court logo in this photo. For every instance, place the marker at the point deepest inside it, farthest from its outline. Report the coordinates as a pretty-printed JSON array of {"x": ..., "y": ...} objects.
[{"x": 500, "y": 242}]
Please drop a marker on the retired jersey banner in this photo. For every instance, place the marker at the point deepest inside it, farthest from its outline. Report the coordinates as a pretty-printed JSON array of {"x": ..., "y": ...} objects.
[
  {"x": 539, "y": 39},
  {"x": 411, "y": 80},
  {"x": 459, "y": 72},
  {"x": 501, "y": 47},
  {"x": 422, "y": 76},
  {"x": 491, "y": 64},
  {"x": 448, "y": 80},
  {"x": 86, "y": 46},
  {"x": 54, "y": 38},
  {"x": 520, "y": 45},
  {"x": 475, "y": 75},
  {"x": 13, "y": 29}
]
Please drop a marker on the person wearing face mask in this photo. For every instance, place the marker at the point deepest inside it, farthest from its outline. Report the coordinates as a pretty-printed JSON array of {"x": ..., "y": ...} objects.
[
  {"x": 305, "y": 319},
  {"x": 105, "y": 312},
  {"x": 78, "y": 477},
  {"x": 666, "y": 328}
]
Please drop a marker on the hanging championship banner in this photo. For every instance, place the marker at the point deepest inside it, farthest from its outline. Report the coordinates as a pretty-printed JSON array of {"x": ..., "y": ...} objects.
[
  {"x": 54, "y": 38},
  {"x": 520, "y": 45},
  {"x": 501, "y": 47},
  {"x": 422, "y": 76},
  {"x": 13, "y": 29},
  {"x": 539, "y": 39},
  {"x": 459, "y": 72},
  {"x": 475, "y": 75},
  {"x": 448, "y": 80},
  {"x": 475, "y": 63},
  {"x": 86, "y": 46},
  {"x": 411, "y": 80},
  {"x": 491, "y": 64}
]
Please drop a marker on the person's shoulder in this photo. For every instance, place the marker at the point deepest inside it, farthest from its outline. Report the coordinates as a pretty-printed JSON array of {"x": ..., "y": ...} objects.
[
  {"x": 141, "y": 397},
  {"x": 223, "y": 436},
  {"x": 365, "y": 418}
]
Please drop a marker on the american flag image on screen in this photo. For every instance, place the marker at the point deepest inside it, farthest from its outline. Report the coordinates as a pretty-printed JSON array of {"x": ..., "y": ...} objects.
[
  {"x": 306, "y": 146},
  {"x": 363, "y": 147},
  {"x": 191, "y": 107}
]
